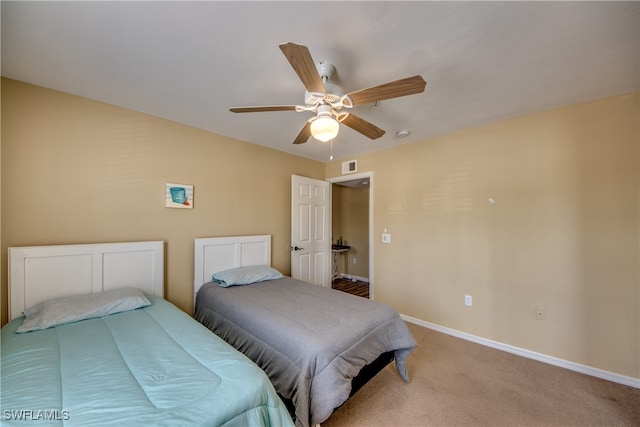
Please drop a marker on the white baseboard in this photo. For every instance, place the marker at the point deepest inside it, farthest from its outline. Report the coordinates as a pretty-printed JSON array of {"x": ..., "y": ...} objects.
[
  {"x": 354, "y": 278},
  {"x": 577, "y": 367}
]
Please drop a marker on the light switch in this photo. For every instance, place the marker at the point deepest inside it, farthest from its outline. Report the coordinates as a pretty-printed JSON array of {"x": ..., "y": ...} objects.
[{"x": 386, "y": 238}]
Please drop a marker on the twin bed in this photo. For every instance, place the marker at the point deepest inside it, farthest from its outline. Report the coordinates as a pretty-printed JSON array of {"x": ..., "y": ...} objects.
[
  {"x": 151, "y": 364},
  {"x": 312, "y": 342}
]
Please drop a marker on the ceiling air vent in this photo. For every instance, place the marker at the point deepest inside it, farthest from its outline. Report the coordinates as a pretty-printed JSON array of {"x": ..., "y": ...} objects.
[{"x": 349, "y": 167}]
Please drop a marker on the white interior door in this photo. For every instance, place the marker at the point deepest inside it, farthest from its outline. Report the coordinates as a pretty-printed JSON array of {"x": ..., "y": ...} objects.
[{"x": 310, "y": 230}]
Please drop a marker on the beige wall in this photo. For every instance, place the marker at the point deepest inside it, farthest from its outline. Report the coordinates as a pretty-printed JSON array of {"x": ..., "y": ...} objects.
[
  {"x": 350, "y": 221},
  {"x": 562, "y": 233},
  {"x": 78, "y": 171}
]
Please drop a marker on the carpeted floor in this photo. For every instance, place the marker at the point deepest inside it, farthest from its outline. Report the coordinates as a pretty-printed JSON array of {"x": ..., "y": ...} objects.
[{"x": 458, "y": 383}]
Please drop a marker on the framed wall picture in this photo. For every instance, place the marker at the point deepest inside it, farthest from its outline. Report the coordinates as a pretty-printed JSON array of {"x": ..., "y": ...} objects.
[{"x": 178, "y": 196}]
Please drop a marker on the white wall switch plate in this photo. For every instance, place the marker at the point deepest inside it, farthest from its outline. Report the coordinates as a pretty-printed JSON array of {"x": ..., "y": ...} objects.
[{"x": 386, "y": 238}]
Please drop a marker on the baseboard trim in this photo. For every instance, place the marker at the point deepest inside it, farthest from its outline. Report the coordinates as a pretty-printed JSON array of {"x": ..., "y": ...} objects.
[
  {"x": 354, "y": 278},
  {"x": 577, "y": 367}
]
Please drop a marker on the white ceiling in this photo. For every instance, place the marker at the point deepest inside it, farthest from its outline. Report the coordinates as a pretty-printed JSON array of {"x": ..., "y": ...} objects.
[{"x": 190, "y": 61}]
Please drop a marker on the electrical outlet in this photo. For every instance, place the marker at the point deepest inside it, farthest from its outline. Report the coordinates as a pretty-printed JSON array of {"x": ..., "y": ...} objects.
[
  {"x": 541, "y": 314},
  {"x": 468, "y": 300},
  {"x": 355, "y": 261}
]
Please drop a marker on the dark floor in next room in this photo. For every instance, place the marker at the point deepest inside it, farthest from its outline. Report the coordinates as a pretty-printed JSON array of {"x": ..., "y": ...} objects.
[{"x": 358, "y": 288}]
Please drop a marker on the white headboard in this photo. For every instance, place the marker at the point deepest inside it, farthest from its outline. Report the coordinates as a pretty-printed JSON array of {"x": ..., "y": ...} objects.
[
  {"x": 39, "y": 273},
  {"x": 214, "y": 254}
]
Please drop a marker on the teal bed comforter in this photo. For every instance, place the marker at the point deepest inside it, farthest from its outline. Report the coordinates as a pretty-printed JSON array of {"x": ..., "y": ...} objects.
[{"x": 153, "y": 366}]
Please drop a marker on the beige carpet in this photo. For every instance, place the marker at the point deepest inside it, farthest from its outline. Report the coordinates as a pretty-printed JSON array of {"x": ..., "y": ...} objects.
[{"x": 458, "y": 383}]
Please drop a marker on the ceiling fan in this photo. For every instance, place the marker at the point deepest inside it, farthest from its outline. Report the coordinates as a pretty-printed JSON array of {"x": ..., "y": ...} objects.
[{"x": 326, "y": 100}]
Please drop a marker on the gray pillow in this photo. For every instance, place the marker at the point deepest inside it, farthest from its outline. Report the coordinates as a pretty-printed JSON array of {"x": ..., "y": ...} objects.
[
  {"x": 246, "y": 275},
  {"x": 60, "y": 311}
]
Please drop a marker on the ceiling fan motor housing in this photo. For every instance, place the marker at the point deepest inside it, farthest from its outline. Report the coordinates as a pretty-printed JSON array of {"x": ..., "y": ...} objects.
[{"x": 333, "y": 92}]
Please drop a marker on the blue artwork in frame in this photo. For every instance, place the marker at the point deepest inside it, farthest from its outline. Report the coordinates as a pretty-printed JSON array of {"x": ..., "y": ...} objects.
[{"x": 178, "y": 196}]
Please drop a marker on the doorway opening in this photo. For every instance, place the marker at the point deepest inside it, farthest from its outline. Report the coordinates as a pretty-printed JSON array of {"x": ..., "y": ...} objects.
[{"x": 351, "y": 232}]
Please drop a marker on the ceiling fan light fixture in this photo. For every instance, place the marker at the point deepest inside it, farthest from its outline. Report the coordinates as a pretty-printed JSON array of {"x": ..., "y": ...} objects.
[{"x": 324, "y": 128}]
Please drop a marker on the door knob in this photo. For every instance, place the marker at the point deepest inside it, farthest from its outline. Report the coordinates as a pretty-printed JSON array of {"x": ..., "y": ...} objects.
[{"x": 296, "y": 248}]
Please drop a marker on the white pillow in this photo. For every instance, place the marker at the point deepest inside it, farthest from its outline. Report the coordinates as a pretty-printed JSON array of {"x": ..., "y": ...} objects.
[
  {"x": 79, "y": 307},
  {"x": 246, "y": 275}
]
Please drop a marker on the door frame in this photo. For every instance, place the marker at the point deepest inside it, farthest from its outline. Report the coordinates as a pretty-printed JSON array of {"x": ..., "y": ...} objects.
[{"x": 352, "y": 177}]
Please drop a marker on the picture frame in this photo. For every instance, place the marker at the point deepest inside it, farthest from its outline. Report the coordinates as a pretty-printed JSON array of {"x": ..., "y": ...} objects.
[{"x": 178, "y": 196}]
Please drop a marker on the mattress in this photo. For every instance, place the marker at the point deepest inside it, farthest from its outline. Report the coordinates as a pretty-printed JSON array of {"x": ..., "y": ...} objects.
[
  {"x": 153, "y": 366},
  {"x": 311, "y": 341}
]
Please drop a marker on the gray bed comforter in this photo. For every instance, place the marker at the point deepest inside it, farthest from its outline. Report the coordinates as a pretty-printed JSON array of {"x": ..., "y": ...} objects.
[{"x": 311, "y": 341}]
